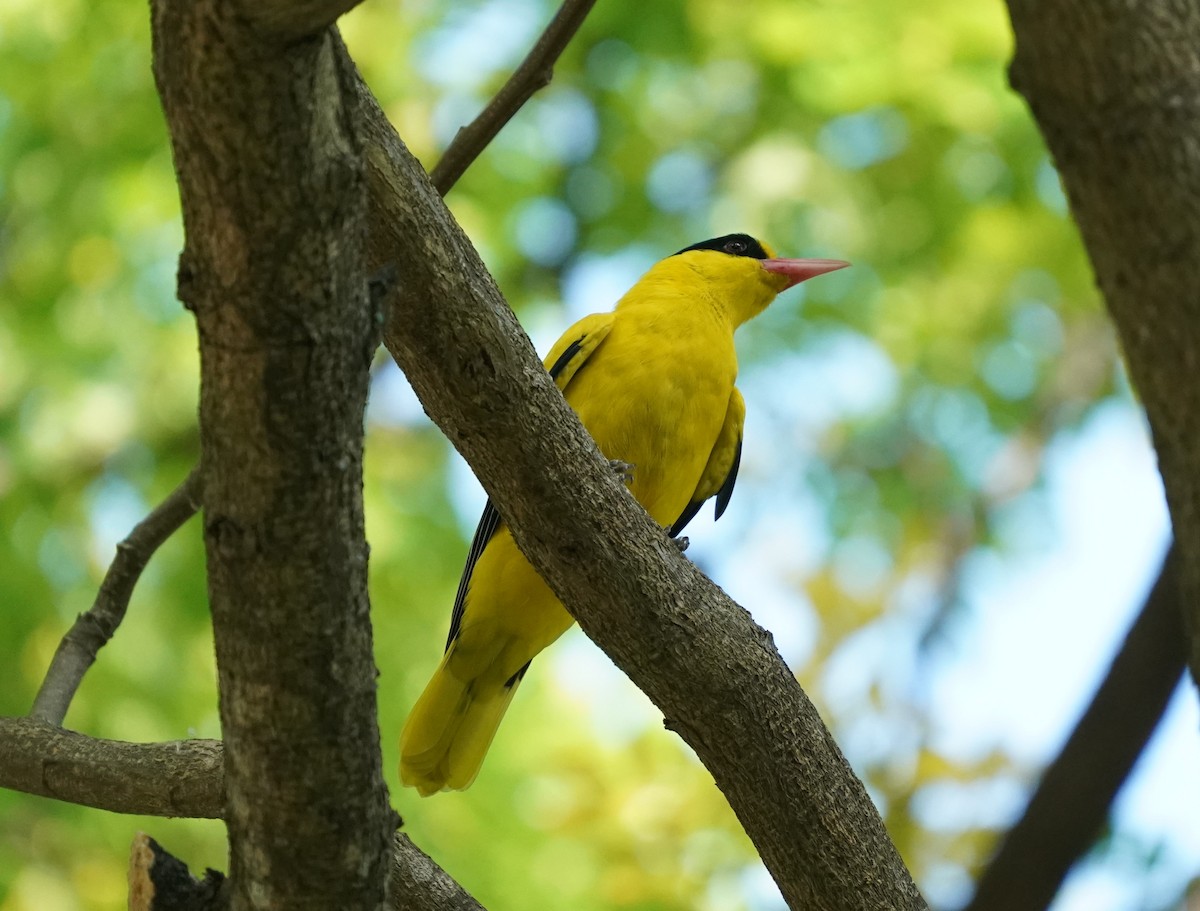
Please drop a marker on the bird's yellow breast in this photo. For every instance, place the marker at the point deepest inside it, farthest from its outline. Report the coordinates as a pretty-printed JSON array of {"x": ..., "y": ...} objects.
[{"x": 654, "y": 395}]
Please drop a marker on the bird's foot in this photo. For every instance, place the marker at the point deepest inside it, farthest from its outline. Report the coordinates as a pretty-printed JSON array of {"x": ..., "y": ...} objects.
[
  {"x": 623, "y": 470},
  {"x": 682, "y": 543}
]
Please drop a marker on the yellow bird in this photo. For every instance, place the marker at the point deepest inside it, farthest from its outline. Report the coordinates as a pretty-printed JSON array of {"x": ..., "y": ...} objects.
[{"x": 653, "y": 382}]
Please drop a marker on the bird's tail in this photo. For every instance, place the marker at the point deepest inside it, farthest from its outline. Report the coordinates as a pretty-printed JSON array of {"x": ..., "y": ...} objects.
[{"x": 451, "y": 727}]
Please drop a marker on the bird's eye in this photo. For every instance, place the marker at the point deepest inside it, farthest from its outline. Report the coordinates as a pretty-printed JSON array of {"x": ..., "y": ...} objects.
[{"x": 736, "y": 247}]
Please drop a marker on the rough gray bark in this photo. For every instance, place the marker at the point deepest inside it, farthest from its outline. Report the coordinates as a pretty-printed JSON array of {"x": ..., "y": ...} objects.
[
  {"x": 419, "y": 884},
  {"x": 180, "y": 778},
  {"x": 715, "y": 674},
  {"x": 269, "y": 163},
  {"x": 1115, "y": 88}
]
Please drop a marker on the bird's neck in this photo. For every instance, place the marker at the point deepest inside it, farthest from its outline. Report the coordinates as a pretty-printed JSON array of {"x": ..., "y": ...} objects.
[{"x": 727, "y": 300}]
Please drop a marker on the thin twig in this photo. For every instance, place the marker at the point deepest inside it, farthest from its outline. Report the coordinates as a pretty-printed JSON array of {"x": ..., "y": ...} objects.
[
  {"x": 96, "y": 626},
  {"x": 535, "y": 72},
  {"x": 1066, "y": 812}
]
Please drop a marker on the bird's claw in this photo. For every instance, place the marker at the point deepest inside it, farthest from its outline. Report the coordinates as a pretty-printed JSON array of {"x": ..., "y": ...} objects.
[
  {"x": 682, "y": 543},
  {"x": 623, "y": 470}
]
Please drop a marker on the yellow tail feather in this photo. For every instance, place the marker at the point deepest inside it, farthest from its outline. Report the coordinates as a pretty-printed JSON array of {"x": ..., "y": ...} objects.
[{"x": 450, "y": 729}]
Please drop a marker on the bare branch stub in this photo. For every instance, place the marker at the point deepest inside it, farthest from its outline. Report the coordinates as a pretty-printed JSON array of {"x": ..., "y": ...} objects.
[
  {"x": 159, "y": 881},
  {"x": 535, "y": 72},
  {"x": 93, "y": 628}
]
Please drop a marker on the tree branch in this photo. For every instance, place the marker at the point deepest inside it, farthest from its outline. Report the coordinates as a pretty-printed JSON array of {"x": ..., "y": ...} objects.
[
  {"x": 92, "y": 629},
  {"x": 1072, "y": 801},
  {"x": 179, "y": 778},
  {"x": 419, "y": 884},
  {"x": 535, "y": 72},
  {"x": 40, "y": 757},
  {"x": 105, "y": 768},
  {"x": 713, "y": 672}
]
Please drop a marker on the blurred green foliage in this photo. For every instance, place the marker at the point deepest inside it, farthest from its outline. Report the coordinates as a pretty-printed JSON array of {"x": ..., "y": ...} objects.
[{"x": 968, "y": 332}]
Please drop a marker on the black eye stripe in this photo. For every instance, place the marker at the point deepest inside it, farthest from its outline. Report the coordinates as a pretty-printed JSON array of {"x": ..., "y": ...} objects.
[{"x": 732, "y": 244}]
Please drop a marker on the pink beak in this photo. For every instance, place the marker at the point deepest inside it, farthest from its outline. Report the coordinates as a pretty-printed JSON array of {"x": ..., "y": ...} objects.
[{"x": 798, "y": 270}]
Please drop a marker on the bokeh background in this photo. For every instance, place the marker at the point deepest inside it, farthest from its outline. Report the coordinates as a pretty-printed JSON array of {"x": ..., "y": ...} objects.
[{"x": 948, "y": 510}]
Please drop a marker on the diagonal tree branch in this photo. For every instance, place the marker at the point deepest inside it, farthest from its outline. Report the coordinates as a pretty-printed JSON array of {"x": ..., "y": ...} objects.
[
  {"x": 92, "y": 629},
  {"x": 1072, "y": 801},
  {"x": 714, "y": 673},
  {"x": 418, "y": 884},
  {"x": 535, "y": 72}
]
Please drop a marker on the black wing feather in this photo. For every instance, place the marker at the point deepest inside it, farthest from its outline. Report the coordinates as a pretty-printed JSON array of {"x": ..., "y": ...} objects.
[
  {"x": 726, "y": 490},
  {"x": 723, "y": 495},
  {"x": 686, "y": 516},
  {"x": 565, "y": 358},
  {"x": 488, "y": 523}
]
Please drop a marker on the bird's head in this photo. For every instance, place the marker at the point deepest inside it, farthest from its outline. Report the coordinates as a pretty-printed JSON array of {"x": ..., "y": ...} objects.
[{"x": 745, "y": 273}]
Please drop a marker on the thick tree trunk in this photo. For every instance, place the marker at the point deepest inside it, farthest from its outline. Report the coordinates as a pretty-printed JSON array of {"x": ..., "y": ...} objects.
[
  {"x": 274, "y": 202},
  {"x": 1115, "y": 87}
]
